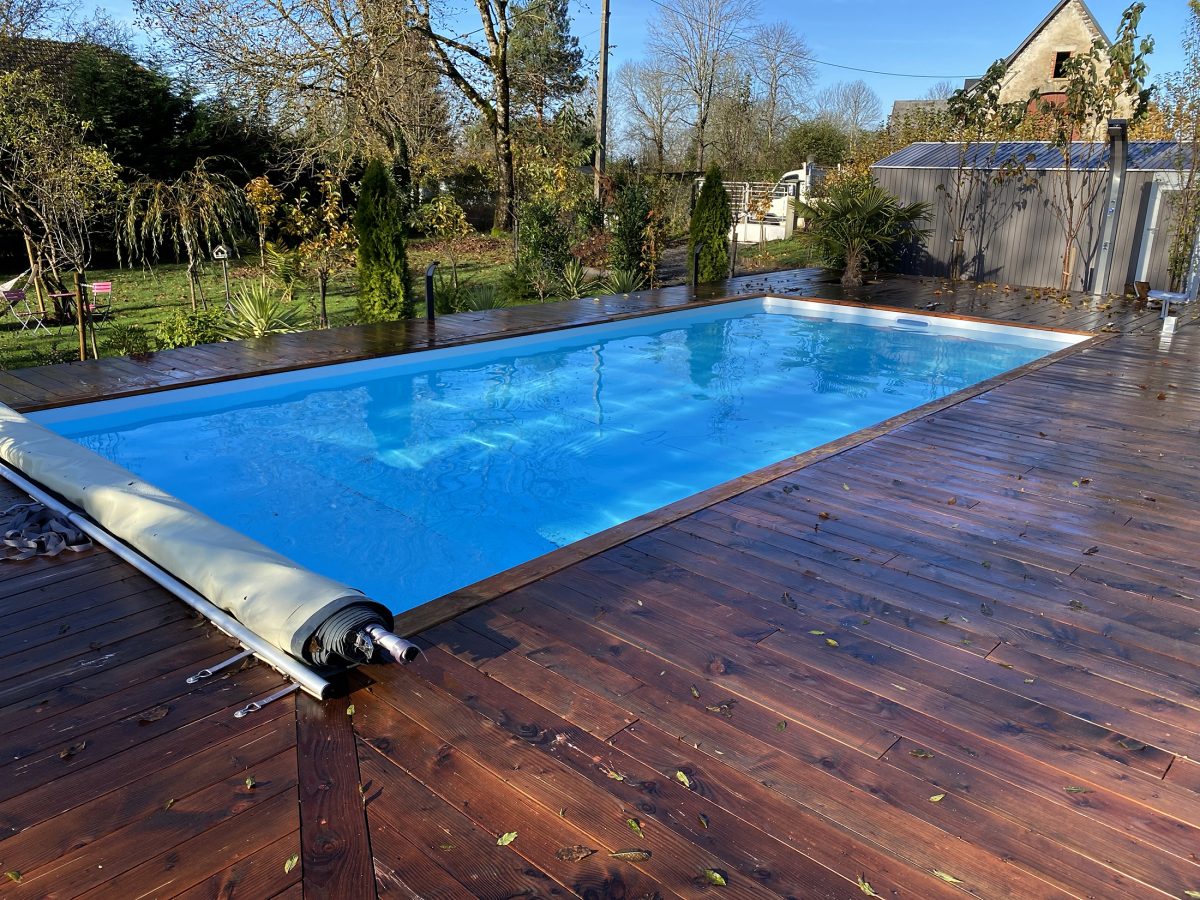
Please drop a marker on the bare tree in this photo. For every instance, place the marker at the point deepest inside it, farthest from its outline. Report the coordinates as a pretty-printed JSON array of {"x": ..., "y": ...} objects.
[
  {"x": 941, "y": 90},
  {"x": 25, "y": 18},
  {"x": 782, "y": 75},
  {"x": 852, "y": 105},
  {"x": 652, "y": 107},
  {"x": 694, "y": 40}
]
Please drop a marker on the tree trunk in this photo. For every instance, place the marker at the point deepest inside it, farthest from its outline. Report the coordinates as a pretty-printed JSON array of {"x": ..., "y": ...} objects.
[
  {"x": 191, "y": 274},
  {"x": 322, "y": 285},
  {"x": 1068, "y": 259},
  {"x": 852, "y": 276},
  {"x": 80, "y": 325}
]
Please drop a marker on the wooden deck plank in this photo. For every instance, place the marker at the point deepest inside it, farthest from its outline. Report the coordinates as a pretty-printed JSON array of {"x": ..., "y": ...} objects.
[
  {"x": 998, "y": 686},
  {"x": 333, "y": 829}
]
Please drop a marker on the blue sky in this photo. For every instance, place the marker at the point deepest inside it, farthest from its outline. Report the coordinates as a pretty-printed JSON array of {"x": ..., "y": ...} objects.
[{"x": 937, "y": 38}]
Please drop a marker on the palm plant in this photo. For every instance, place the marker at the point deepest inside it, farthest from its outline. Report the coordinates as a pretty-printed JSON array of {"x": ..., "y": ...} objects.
[
  {"x": 625, "y": 281},
  {"x": 256, "y": 311},
  {"x": 191, "y": 214},
  {"x": 575, "y": 282},
  {"x": 861, "y": 226}
]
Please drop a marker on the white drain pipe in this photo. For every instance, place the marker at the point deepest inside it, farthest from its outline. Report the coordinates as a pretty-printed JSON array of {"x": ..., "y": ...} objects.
[{"x": 282, "y": 662}]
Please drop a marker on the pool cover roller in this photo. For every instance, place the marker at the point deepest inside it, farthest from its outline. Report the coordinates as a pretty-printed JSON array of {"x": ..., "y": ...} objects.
[{"x": 307, "y": 615}]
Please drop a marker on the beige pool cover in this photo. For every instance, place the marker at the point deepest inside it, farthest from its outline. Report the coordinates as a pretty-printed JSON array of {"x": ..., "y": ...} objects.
[{"x": 267, "y": 592}]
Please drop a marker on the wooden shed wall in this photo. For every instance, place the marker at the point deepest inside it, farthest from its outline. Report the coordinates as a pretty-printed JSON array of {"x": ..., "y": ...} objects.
[{"x": 1014, "y": 235}]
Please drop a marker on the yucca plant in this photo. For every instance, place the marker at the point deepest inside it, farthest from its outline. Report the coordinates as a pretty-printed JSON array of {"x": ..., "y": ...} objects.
[
  {"x": 624, "y": 281},
  {"x": 481, "y": 297},
  {"x": 256, "y": 311},
  {"x": 575, "y": 282},
  {"x": 860, "y": 226}
]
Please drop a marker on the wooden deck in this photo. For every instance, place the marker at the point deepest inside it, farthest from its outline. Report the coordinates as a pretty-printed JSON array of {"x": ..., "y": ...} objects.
[{"x": 959, "y": 657}]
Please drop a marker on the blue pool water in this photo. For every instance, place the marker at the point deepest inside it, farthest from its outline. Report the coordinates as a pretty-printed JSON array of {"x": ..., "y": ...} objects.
[{"x": 417, "y": 475}]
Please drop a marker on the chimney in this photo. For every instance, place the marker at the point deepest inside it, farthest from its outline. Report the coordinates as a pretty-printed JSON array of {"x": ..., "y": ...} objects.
[{"x": 1118, "y": 165}]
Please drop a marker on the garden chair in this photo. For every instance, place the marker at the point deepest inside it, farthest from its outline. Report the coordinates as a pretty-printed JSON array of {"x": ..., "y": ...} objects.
[
  {"x": 18, "y": 305},
  {"x": 1191, "y": 285},
  {"x": 99, "y": 305}
]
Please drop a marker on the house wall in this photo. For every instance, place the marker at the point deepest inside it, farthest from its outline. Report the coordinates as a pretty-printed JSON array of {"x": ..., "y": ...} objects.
[
  {"x": 1014, "y": 236},
  {"x": 1071, "y": 30}
]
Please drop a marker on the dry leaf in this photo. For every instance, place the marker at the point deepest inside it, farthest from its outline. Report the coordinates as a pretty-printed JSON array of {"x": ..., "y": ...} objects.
[
  {"x": 1131, "y": 745},
  {"x": 865, "y": 887},
  {"x": 153, "y": 715},
  {"x": 574, "y": 854},
  {"x": 68, "y": 752},
  {"x": 350, "y": 710},
  {"x": 683, "y": 779},
  {"x": 13, "y": 875},
  {"x": 291, "y": 863},
  {"x": 920, "y": 754},
  {"x": 781, "y": 725},
  {"x": 631, "y": 855},
  {"x": 950, "y": 879},
  {"x": 635, "y": 826},
  {"x": 712, "y": 876},
  {"x": 703, "y": 820},
  {"x": 937, "y": 798},
  {"x": 695, "y": 692},
  {"x": 831, "y": 642},
  {"x": 250, "y": 782},
  {"x": 1075, "y": 789},
  {"x": 505, "y": 839},
  {"x": 817, "y": 631}
]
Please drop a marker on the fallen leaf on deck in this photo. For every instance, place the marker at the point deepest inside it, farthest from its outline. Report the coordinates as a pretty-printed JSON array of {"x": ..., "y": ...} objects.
[
  {"x": 1162, "y": 395},
  {"x": 1076, "y": 789},
  {"x": 13, "y": 875},
  {"x": 695, "y": 692},
  {"x": 631, "y": 855},
  {"x": 635, "y": 826},
  {"x": 350, "y": 710},
  {"x": 703, "y": 820},
  {"x": 169, "y": 803},
  {"x": 937, "y": 798},
  {"x": 1029, "y": 681},
  {"x": 614, "y": 775},
  {"x": 153, "y": 715},
  {"x": 574, "y": 854},
  {"x": 817, "y": 631},
  {"x": 845, "y": 487},
  {"x": 920, "y": 754},
  {"x": 865, "y": 887},
  {"x": 899, "y": 687},
  {"x": 1004, "y": 665},
  {"x": 1091, "y": 551},
  {"x": 946, "y": 877},
  {"x": 507, "y": 838},
  {"x": 712, "y": 876},
  {"x": 831, "y": 642},
  {"x": 250, "y": 782},
  {"x": 68, "y": 752},
  {"x": 780, "y": 725},
  {"x": 682, "y": 778},
  {"x": 1193, "y": 894},
  {"x": 1131, "y": 745},
  {"x": 291, "y": 863},
  {"x": 1076, "y": 604}
]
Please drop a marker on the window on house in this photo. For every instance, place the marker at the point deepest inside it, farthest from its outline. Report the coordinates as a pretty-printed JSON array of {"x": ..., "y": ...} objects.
[{"x": 1060, "y": 60}]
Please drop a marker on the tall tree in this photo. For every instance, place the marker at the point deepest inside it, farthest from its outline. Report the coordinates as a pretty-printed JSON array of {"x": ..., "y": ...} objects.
[
  {"x": 54, "y": 187},
  {"x": 384, "y": 282},
  {"x": 695, "y": 41},
  {"x": 709, "y": 229},
  {"x": 780, "y": 66},
  {"x": 1099, "y": 83},
  {"x": 852, "y": 105},
  {"x": 546, "y": 59},
  {"x": 652, "y": 109}
]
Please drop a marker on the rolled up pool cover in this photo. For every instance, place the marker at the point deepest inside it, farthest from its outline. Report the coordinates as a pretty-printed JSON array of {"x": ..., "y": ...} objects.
[{"x": 271, "y": 595}]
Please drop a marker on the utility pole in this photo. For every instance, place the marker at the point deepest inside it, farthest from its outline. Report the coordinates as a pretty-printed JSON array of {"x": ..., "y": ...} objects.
[{"x": 601, "y": 101}]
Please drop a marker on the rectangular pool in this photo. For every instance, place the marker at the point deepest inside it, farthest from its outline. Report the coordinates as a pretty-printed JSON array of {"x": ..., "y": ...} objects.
[{"x": 411, "y": 476}]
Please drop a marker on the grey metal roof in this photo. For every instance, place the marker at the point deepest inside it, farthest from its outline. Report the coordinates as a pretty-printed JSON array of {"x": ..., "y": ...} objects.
[{"x": 1036, "y": 155}]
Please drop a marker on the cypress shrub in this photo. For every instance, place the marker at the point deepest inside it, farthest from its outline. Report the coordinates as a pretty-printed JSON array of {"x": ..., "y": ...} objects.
[
  {"x": 711, "y": 222},
  {"x": 384, "y": 282}
]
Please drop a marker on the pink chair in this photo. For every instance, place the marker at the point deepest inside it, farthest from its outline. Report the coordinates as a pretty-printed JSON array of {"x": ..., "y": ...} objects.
[
  {"x": 99, "y": 309},
  {"x": 18, "y": 305}
]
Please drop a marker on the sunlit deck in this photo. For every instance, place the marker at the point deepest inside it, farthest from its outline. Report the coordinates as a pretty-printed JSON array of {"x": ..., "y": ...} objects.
[{"x": 957, "y": 654}]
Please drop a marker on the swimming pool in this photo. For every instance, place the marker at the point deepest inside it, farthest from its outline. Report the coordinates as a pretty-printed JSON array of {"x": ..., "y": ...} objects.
[{"x": 412, "y": 476}]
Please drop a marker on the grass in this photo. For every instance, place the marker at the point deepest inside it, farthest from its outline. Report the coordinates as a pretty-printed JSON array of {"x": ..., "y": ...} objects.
[
  {"x": 143, "y": 298},
  {"x": 796, "y": 252}
]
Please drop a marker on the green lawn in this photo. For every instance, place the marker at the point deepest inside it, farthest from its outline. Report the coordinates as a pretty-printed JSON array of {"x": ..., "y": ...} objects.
[
  {"x": 794, "y": 253},
  {"x": 146, "y": 297}
]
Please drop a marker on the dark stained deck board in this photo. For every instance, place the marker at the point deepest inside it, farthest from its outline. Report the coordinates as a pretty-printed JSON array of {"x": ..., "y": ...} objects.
[{"x": 567, "y": 704}]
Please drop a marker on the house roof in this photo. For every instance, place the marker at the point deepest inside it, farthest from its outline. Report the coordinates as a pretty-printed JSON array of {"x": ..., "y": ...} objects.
[
  {"x": 1146, "y": 156},
  {"x": 1058, "y": 8}
]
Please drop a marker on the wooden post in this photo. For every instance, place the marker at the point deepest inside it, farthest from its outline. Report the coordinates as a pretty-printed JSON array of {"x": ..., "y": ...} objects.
[
  {"x": 79, "y": 322},
  {"x": 601, "y": 104},
  {"x": 35, "y": 272}
]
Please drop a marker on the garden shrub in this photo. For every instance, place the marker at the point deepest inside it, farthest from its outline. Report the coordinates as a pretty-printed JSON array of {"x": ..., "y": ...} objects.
[
  {"x": 384, "y": 282},
  {"x": 187, "y": 329},
  {"x": 711, "y": 222},
  {"x": 632, "y": 210}
]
